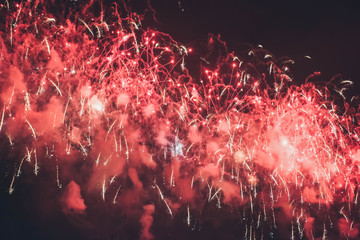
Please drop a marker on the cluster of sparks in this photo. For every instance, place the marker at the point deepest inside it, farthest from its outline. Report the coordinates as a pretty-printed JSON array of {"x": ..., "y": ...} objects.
[{"x": 122, "y": 100}]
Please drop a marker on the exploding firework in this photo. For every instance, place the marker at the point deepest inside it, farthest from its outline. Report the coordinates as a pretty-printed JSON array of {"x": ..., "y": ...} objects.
[{"x": 112, "y": 112}]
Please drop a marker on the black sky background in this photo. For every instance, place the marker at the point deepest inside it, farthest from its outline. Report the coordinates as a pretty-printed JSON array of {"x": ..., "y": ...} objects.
[{"x": 328, "y": 31}]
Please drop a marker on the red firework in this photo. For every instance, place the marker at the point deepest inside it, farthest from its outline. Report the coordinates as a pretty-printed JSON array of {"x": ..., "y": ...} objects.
[{"x": 116, "y": 110}]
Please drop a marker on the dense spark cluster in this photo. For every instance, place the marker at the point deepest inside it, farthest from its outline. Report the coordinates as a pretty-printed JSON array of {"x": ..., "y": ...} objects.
[{"x": 119, "y": 102}]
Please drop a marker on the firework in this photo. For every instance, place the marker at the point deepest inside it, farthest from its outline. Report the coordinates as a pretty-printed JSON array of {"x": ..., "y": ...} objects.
[{"x": 114, "y": 111}]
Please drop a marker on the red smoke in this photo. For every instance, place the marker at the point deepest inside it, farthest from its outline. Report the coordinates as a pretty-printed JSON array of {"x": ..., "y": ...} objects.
[
  {"x": 72, "y": 200},
  {"x": 146, "y": 222}
]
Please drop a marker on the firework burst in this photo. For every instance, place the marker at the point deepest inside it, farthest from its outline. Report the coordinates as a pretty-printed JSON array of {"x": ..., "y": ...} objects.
[{"x": 117, "y": 112}]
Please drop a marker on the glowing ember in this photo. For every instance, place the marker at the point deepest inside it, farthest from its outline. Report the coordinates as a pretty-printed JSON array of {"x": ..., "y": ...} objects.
[{"x": 115, "y": 109}]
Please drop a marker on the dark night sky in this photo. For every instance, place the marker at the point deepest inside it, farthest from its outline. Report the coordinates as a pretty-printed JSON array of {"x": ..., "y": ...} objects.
[{"x": 328, "y": 31}]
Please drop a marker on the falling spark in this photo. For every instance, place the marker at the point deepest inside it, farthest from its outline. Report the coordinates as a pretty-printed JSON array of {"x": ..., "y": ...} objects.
[
  {"x": 2, "y": 118},
  {"x": 32, "y": 129},
  {"x": 164, "y": 200}
]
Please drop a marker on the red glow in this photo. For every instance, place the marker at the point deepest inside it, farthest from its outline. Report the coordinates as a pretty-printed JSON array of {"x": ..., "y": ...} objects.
[{"x": 148, "y": 128}]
